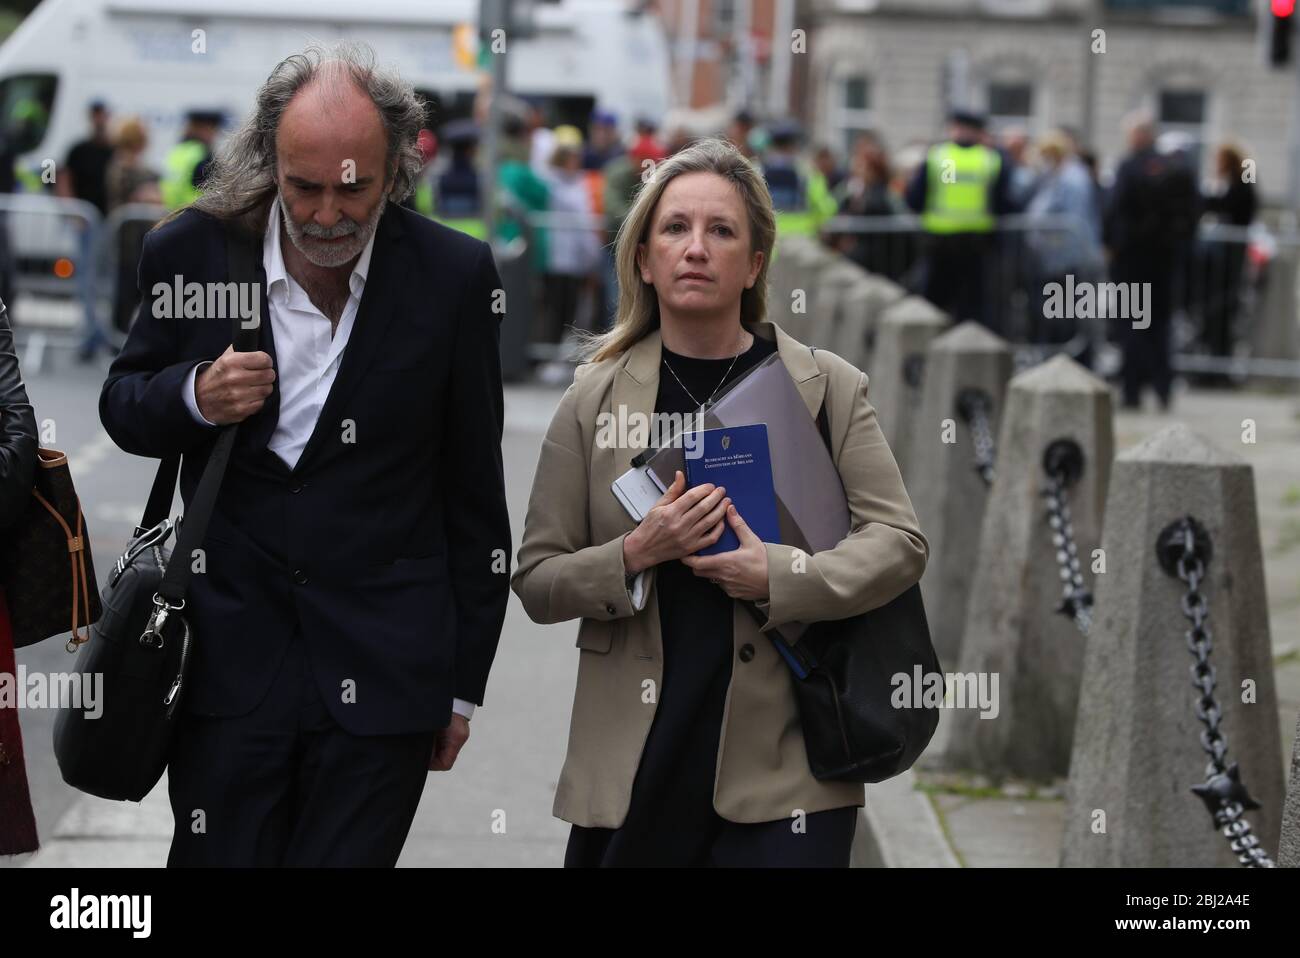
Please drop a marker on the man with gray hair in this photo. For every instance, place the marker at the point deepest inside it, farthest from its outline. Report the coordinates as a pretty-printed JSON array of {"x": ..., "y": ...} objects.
[{"x": 355, "y": 568}]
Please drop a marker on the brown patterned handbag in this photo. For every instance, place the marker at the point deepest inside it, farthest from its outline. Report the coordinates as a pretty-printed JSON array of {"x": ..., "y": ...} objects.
[{"x": 45, "y": 564}]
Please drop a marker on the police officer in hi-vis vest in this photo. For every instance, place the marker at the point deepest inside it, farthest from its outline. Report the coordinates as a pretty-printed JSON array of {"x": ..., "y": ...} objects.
[
  {"x": 959, "y": 191},
  {"x": 187, "y": 162}
]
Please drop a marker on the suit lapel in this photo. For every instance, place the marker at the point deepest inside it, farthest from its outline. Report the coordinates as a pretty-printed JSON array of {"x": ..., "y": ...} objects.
[
  {"x": 632, "y": 400},
  {"x": 799, "y": 362},
  {"x": 389, "y": 264}
]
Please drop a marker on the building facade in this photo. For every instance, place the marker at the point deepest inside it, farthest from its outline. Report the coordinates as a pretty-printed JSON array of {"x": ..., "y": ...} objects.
[{"x": 897, "y": 66}]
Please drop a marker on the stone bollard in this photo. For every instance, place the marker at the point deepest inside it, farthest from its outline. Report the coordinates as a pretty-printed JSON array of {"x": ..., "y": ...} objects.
[
  {"x": 1137, "y": 740},
  {"x": 791, "y": 251},
  {"x": 1288, "y": 849},
  {"x": 826, "y": 299},
  {"x": 897, "y": 370},
  {"x": 1013, "y": 630},
  {"x": 946, "y": 490},
  {"x": 858, "y": 318},
  {"x": 807, "y": 263}
]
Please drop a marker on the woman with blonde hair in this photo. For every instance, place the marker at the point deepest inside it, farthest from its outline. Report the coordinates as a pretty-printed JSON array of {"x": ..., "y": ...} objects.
[{"x": 685, "y": 746}]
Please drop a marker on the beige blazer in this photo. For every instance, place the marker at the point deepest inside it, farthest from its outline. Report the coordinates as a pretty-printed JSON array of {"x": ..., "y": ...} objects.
[{"x": 570, "y": 566}]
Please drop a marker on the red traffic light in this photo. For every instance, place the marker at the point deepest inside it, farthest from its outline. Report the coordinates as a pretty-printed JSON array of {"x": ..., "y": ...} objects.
[{"x": 1283, "y": 8}]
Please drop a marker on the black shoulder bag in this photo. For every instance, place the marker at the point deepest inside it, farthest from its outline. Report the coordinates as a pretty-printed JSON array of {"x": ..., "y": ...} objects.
[
  {"x": 141, "y": 646},
  {"x": 844, "y": 672}
]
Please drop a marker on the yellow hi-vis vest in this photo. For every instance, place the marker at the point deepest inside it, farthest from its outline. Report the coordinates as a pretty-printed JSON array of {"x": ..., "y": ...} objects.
[
  {"x": 177, "y": 184},
  {"x": 959, "y": 188}
]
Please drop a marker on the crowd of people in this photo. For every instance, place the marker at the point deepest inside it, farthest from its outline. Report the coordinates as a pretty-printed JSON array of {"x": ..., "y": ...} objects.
[
  {"x": 963, "y": 253},
  {"x": 568, "y": 190}
]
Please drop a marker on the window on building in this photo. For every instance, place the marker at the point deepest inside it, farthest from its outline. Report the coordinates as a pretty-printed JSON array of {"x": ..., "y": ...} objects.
[
  {"x": 1184, "y": 111},
  {"x": 852, "y": 113},
  {"x": 1182, "y": 107},
  {"x": 1010, "y": 104},
  {"x": 1230, "y": 8}
]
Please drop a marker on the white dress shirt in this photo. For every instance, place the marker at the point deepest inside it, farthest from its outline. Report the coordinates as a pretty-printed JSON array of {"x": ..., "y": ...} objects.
[{"x": 307, "y": 356}]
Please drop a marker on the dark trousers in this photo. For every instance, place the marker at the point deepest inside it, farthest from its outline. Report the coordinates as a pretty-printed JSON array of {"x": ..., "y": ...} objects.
[
  {"x": 955, "y": 267},
  {"x": 1222, "y": 269},
  {"x": 825, "y": 841},
  {"x": 286, "y": 785},
  {"x": 562, "y": 293},
  {"x": 1147, "y": 360}
]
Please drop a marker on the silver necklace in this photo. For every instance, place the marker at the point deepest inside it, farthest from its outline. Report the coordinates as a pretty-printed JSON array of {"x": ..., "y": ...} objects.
[{"x": 708, "y": 402}]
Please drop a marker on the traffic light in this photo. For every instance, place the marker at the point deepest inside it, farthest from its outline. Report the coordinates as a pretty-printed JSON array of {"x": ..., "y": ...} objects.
[{"x": 1283, "y": 23}]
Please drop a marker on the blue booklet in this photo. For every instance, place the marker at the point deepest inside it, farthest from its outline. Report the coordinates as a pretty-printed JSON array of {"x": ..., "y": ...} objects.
[{"x": 738, "y": 458}]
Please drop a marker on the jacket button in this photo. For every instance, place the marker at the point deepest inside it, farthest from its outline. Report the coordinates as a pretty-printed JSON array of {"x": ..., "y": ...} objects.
[
  {"x": 609, "y": 607},
  {"x": 746, "y": 652},
  {"x": 299, "y": 576},
  {"x": 296, "y": 487}
]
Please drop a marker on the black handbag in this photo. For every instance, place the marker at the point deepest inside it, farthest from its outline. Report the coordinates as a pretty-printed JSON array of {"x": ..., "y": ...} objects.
[
  {"x": 141, "y": 647},
  {"x": 845, "y": 672}
]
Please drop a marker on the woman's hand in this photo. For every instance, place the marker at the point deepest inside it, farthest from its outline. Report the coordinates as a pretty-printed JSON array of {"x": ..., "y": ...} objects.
[
  {"x": 742, "y": 572},
  {"x": 682, "y": 522}
]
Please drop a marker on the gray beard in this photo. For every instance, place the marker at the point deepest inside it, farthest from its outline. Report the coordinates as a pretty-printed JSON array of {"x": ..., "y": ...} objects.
[{"x": 328, "y": 255}]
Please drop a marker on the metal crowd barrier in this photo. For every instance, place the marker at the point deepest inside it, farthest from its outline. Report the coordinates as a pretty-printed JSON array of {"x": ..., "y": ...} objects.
[
  {"x": 63, "y": 253},
  {"x": 895, "y": 247},
  {"x": 1235, "y": 296},
  {"x": 553, "y": 222},
  {"x": 1234, "y": 293},
  {"x": 49, "y": 242}
]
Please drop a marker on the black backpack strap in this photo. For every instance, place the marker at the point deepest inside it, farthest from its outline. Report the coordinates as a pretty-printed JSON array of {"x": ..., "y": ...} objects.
[{"x": 242, "y": 270}]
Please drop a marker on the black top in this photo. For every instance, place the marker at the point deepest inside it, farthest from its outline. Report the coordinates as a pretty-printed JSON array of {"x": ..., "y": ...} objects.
[
  {"x": 88, "y": 164},
  {"x": 1236, "y": 205},
  {"x": 694, "y": 614},
  {"x": 671, "y": 811}
]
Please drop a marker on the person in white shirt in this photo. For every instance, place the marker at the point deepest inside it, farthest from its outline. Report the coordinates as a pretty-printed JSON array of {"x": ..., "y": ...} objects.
[{"x": 350, "y": 606}]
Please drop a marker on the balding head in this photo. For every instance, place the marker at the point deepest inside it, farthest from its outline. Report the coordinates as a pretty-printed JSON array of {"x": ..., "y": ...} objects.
[{"x": 335, "y": 119}]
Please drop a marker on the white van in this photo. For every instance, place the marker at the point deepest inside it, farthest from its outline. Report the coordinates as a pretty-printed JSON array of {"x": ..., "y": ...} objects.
[{"x": 159, "y": 59}]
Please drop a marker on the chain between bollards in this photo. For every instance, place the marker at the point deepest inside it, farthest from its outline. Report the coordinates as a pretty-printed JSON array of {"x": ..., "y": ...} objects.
[
  {"x": 975, "y": 407},
  {"x": 1063, "y": 463},
  {"x": 1183, "y": 549}
]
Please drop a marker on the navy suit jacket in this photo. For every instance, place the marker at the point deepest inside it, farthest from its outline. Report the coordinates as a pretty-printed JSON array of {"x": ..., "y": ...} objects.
[{"x": 388, "y": 543}]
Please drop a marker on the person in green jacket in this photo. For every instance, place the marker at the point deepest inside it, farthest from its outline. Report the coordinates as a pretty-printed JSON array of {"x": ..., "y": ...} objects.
[{"x": 524, "y": 190}]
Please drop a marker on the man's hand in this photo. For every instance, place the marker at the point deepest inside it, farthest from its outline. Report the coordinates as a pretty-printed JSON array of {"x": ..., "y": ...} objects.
[
  {"x": 234, "y": 387},
  {"x": 742, "y": 572},
  {"x": 449, "y": 743}
]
